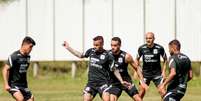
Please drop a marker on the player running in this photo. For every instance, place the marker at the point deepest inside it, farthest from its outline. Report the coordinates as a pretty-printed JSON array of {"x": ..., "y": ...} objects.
[
  {"x": 180, "y": 73},
  {"x": 150, "y": 53},
  {"x": 100, "y": 64},
  {"x": 122, "y": 59},
  {"x": 15, "y": 72}
]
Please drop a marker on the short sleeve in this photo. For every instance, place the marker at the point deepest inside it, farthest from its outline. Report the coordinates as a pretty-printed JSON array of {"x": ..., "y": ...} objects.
[
  {"x": 87, "y": 53},
  {"x": 111, "y": 62},
  {"x": 172, "y": 63},
  {"x": 139, "y": 53},
  {"x": 163, "y": 54},
  {"x": 10, "y": 60}
]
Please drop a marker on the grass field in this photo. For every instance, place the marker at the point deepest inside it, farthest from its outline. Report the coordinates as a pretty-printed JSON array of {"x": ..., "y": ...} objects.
[{"x": 61, "y": 87}]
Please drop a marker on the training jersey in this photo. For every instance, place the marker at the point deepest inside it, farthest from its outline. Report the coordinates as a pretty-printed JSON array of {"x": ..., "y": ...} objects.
[
  {"x": 151, "y": 59},
  {"x": 182, "y": 65},
  {"x": 18, "y": 69},
  {"x": 122, "y": 66},
  {"x": 100, "y": 64}
]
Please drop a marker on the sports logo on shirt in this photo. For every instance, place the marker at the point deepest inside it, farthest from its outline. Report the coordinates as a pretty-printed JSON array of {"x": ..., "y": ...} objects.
[
  {"x": 155, "y": 51},
  {"x": 120, "y": 60},
  {"x": 102, "y": 57}
]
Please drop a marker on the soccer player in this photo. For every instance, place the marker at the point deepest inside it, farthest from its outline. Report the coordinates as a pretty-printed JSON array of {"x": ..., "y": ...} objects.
[
  {"x": 15, "y": 72},
  {"x": 100, "y": 65},
  {"x": 180, "y": 73},
  {"x": 151, "y": 53},
  {"x": 122, "y": 59}
]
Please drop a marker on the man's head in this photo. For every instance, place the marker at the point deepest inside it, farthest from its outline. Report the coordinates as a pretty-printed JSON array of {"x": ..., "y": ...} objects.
[
  {"x": 27, "y": 45},
  {"x": 115, "y": 44},
  {"x": 150, "y": 39},
  {"x": 174, "y": 47},
  {"x": 98, "y": 43}
]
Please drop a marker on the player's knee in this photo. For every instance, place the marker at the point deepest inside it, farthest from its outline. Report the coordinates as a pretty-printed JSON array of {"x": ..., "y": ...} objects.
[
  {"x": 19, "y": 98},
  {"x": 113, "y": 97},
  {"x": 106, "y": 96},
  {"x": 87, "y": 97},
  {"x": 137, "y": 97}
]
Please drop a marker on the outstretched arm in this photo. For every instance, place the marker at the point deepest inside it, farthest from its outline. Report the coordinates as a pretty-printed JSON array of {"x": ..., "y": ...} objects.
[
  {"x": 118, "y": 75},
  {"x": 137, "y": 68},
  {"x": 73, "y": 51},
  {"x": 5, "y": 73}
]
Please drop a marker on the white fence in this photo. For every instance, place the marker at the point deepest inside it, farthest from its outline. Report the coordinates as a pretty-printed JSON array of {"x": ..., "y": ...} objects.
[{"x": 50, "y": 22}]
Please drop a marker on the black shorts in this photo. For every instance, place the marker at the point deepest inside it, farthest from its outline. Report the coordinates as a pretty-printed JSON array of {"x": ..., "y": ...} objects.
[
  {"x": 94, "y": 89},
  {"x": 158, "y": 79},
  {"x": 117, "y": 90},
  {"x": 175, "y": 94},
  {"x": 25, "y": 92}
]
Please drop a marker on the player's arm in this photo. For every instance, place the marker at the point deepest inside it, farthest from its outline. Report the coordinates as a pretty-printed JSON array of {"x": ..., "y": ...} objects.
[
  {"x": 118, "y": 76},
  {"x": 170, "y": 77},
  {"x": 172, "y": 66},
  {"x": 137, "y": 68},
  {"x": 73, "y": 51},
  {"x": 167, "y": 80},
  {"x": 137, "y": 60},
  {"x": 5, "y": 73},
  {"x": 164, "y": 56},
  {"x": 116, "y": 72},
  {"x": 190, "y": 74}
]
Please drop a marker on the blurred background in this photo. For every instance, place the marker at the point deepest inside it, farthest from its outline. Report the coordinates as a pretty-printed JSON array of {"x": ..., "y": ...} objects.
[{"x": 57, "y": 75}]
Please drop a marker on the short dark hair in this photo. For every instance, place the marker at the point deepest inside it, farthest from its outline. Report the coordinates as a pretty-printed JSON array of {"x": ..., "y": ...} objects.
[
  {"x": 117, "y": 39},
  {"x": 28, "y": 40},
  {"x": 176, "y": 43},
  {"x": 98, "y": 38}
]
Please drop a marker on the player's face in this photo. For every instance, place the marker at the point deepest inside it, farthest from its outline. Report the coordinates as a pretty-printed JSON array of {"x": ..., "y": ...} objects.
[
  {"x": 98, "y": 45},
  {"x": 115, "y": 46},
  {"x": 28, "y": 48},
  {"x": 171, "y": 50},
  {"x": 149, "y": 39}
]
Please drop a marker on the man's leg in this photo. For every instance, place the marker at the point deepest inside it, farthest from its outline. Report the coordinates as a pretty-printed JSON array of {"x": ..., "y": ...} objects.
[
  {"x": 88, "y": 93},
  {"x": 106, "y": 96},
  {"x": 113, "y": 97},
  {"x": 133, "y": 93},
  {"x": 18, "y": 96},
  {"x": 115, "y": 92},
  {"x": 158, "y": 80},
  {"x": 142, "y": 90},
  {"x": 31, "y": 99},
  {"x": 137, "y": 97},
  {"x": 87, "y": 97}
]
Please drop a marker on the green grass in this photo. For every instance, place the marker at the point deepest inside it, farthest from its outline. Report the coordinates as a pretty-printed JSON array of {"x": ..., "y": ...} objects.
[
  {"x": 54, "y": 83},
  {"x": 61, "y": 87}
]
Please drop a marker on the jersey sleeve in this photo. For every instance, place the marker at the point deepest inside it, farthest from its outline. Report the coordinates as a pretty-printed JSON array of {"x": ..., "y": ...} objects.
[
  {"x": 139, "y": 53},
  {"x": 11, "y": 60},
  {"x": 87, "y": 53},
  {"x": 172, "y": 63},
  {"x": 163, "y": 54},
  {"x": 111, "y": 62}
]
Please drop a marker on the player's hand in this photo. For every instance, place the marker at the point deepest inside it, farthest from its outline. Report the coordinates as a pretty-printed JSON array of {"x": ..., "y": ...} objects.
[
  {"x": 161, "y": 89},
  {"x": 7, "y": 87},
  {"x": 65, "y": 44},
  {"x": 126, "y": 84}
]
